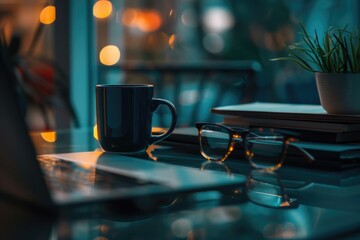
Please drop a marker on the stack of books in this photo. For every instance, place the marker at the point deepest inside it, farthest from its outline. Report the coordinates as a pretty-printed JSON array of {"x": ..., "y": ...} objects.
[{"x": 334, "y": 140}]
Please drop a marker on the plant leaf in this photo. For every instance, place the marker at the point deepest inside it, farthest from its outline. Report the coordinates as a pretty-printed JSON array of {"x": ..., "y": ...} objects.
[
  {"x": 343, "y": 44},
  {"x": 301, "y": 64},
  {"x": 337, "y": 52}
]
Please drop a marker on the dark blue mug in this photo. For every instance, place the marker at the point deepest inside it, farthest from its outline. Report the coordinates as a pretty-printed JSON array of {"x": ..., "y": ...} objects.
[{"x": 124, "y": 117}]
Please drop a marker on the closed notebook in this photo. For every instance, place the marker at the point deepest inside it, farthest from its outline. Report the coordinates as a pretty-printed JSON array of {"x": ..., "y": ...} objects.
[
  {"x": 311, "y": 122},
  {"x": 298, "y": 112}
]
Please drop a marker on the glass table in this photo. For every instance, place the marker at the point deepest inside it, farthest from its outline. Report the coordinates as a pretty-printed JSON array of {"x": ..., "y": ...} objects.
[{"x": 292, "y": 202}]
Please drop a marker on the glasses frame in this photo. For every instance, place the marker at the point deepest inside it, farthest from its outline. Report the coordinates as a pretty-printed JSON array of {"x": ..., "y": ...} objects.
[{"x": 236, "y": 133}]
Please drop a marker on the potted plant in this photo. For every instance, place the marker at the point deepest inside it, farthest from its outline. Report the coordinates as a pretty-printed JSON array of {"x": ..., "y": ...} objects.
[{"x": 335, "y": 60}]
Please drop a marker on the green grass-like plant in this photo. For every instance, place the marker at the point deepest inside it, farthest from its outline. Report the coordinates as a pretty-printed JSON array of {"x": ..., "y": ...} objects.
[{"x": 337, "y": 52}]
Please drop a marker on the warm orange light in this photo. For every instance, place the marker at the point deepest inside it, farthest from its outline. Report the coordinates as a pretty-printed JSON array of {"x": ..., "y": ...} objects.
[
  {"x": 48, "y": 15},
  {"x": 49, "y": 136},
  {"x": 172, "y": 39},
  {"x": 109, "y": 55},
  {"x": 95, "y": 132},
  {"x": 88, "y": 160},
  {"x": 158, "y": 130},
  {"x": 149, "y": 21},
  {"x": 130, "y": 17},
  {"x": 144, "y": 20},
  {"x": 102, "y": 9}
]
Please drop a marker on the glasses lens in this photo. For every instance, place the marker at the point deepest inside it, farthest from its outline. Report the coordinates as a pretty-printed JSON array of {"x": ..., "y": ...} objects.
[
  {"x": 215, "y": 142},
  {"x": 264, "y": 149}
]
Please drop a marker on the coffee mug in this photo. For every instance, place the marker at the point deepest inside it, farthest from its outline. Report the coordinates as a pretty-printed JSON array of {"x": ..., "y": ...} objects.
[{"x": 124, "y": 117}]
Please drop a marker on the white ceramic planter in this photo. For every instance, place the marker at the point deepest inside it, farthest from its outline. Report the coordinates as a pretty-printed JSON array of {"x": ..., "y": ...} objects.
[{"x": 339, "y": 93}]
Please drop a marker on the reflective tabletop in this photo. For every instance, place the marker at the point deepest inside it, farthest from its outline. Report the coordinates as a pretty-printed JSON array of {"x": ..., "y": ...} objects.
[{"x": 293, "y": 202}]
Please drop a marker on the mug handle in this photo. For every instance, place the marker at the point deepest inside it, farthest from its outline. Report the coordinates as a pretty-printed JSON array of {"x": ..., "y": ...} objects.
[{"x": 156, "y": 102}]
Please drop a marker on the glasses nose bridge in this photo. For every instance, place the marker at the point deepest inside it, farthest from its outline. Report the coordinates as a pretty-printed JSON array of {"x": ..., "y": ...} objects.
[
  {"x": 236, "y": 136},
  {"x": 238, "y": 140}
]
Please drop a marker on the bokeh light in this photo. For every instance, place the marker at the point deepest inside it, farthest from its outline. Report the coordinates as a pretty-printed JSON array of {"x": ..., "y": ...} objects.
[
  {"x": 224, "y": 215},
  {"x": 49, "y": 136},
  {"x": 102, "y": 9},
  {"x": 180, "y": 228},
  {"x": 149, "y": 21},
  {"x": 129, "y": 17},
  {"x": 218, "y": 19},
  {"x": 285, "y": 230},
  {"x": 48, "y": 15},
  {"x": 188, "y": 18},
  {"x": 109, "y": 55},
  {"x": 189, "y": 97},
  {"x": 213, "y": 43},
  {"x": 172, "y": 40},
  {"x": 144, "y": 20},
  {"x": 273, "y": 41}
]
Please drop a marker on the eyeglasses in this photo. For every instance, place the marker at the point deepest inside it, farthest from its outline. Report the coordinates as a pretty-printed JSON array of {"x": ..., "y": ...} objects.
[{"x": 265, "y": 148}]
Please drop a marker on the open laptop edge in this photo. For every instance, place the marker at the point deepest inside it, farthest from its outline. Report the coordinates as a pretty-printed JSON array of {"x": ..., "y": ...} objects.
[
  {"x": 20, "y": 175},
  {"x": 156, "y": 178}
]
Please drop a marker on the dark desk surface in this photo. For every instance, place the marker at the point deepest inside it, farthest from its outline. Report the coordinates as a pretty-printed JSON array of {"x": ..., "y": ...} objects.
[{"x": 322, "y": 204}]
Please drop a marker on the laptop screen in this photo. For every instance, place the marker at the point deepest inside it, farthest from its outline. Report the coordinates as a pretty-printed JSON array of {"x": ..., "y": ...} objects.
[{"x": 20, "y": 174}]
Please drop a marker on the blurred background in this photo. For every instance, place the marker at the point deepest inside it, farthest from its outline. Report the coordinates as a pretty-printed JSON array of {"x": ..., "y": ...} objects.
[{"x": 197, "y": 53}]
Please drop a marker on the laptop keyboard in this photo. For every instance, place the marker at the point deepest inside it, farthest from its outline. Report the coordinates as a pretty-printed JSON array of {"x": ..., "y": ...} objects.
[{"x": 68, "y": 177}]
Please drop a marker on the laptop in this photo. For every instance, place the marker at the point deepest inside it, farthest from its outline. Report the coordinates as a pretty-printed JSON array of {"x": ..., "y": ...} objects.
[{"x": 94, "y": 176}]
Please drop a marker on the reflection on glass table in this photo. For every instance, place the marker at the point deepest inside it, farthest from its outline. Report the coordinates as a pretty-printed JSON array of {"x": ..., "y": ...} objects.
[
  {"x": 262, "y": 187},
  {"x": 291, "y": 203}
]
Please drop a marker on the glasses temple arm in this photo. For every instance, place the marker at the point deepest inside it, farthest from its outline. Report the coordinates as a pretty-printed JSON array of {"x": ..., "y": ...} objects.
[{"x": 303, "y": 152}]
